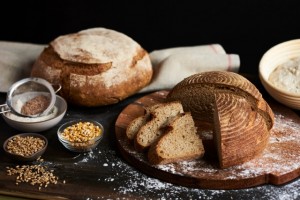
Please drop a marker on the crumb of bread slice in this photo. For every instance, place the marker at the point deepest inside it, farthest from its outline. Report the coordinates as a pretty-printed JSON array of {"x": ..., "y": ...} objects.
[
  {"x": 135, "y": 125},
  {"x": 160, "y": 117},
  {"x": 180, "y": 142}
]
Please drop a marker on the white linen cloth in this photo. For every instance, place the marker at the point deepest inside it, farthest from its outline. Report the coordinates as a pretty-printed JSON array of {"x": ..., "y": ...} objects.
[
  {"x": 16, "y": 60},
  {"x": 170, "y": 65}
]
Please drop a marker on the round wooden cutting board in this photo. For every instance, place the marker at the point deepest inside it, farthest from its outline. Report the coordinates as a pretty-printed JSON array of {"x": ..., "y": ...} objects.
[{"x": 278, "y": 164}]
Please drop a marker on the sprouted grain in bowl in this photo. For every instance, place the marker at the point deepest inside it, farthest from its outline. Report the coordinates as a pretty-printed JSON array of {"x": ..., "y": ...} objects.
[
  {"x": 51, "y": 115},
  {"x": 287, "y": 76},
  {"x": 81, "y": 132}
]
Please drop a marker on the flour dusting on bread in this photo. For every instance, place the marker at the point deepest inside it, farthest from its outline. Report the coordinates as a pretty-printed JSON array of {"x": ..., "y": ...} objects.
[
  {"x": 96, "y": 45},
  {"x": 95, "y": 67}
]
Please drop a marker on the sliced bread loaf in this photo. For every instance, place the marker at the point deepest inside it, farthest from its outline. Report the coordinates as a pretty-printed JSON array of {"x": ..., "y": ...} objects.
[
  {"x": 160, "y": 117},
  {"x": 179, "y": 142},
  {"x": 241, "y": 117}
]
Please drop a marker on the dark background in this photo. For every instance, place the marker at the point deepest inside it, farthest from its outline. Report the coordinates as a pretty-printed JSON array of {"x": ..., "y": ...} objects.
[
  {"x": 245, "y": 27},
  {"x": 248, "y": 28}
]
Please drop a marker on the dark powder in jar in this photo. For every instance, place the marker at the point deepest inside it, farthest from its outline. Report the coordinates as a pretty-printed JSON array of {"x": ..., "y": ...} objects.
[{"x": 35, "y": 105}]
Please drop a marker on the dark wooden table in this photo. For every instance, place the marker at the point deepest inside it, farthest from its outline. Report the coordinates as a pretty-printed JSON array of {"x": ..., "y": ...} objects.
[{"x": 104, "y": 174}]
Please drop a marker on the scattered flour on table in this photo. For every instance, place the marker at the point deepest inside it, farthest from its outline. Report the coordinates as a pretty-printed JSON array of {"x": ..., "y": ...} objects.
[
  {"x": 129, "y": 181},
  {"x": 87, "y": 157}
]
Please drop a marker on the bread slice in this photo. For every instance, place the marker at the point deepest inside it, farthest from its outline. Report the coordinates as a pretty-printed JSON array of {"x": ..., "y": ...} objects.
[
  {"x": 179, "y": 142},
  {"x": 138, "y": 122},
  {"x": 160, "y": 117},
  {"x": 135, "y": 125},
  {"x": 241, "y": 117}
]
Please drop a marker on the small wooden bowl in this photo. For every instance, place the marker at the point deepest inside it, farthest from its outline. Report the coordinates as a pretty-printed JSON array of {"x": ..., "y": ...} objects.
[{"x": 33, "y": 156}]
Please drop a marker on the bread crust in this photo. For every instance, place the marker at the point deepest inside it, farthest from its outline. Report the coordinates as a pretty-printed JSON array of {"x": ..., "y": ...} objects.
[
  {"x": 241, "y": 133},
  {"x": 90, "y": 84},
  {"x": 202, "y": 87}
]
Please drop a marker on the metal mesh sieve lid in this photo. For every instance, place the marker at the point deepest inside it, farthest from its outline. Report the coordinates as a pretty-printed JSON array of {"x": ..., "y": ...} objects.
[{"x": 23, "y": 91}]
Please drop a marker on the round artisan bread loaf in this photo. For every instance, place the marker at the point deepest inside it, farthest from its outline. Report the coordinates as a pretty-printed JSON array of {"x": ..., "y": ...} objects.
[
  {"x": 95, "y": 67},
  {"x": 241, "y": 118}
]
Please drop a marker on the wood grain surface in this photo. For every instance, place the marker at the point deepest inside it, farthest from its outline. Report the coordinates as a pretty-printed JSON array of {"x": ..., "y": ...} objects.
[
  {"x": 104, "y": 173},
  {"x": 279, "y": 163}
]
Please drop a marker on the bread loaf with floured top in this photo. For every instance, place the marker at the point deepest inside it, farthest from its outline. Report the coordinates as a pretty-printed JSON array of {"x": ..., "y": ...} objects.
[
  {"x": 241, "y": 118},
  {"x": 179, "y": 142},
  {"x": 95, "y": 67}
]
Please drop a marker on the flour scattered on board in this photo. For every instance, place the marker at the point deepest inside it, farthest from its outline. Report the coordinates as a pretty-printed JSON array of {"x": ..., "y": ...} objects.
[
  {"x": 285, "y": 132},
  {"x": 273, "y": 160},
  {"x": 130, "y": 182}
]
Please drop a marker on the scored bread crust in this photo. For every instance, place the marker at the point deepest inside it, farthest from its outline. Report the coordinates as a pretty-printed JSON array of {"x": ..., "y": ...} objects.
[
  {"x": 94, "y": 72},
  {"x": 209, "y": 95},
  {"x": 196, "y": 94},
  {"x": 241, "y": 132}
]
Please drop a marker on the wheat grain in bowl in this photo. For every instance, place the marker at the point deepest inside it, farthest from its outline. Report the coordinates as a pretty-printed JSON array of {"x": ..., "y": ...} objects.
[
  {"x": 80, "y": 135},
  {"x": 25, "y": 146}
]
